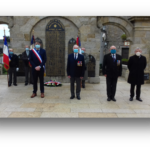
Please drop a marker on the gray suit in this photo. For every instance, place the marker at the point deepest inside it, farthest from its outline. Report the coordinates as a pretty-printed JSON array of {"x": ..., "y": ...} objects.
[{"x": 86, "y": 60}]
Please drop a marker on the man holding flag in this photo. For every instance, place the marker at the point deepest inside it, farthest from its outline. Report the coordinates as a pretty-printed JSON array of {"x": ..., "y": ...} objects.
[{"x": 37, "y": 59}]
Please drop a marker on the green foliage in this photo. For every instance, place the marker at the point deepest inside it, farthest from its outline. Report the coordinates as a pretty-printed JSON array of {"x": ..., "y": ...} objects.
[
  {"x": 124, "y": 37},
  {"x": 4, "y": 70},
  {"x": 124, "y": 60},
  {"x": 8, "y": 39}
]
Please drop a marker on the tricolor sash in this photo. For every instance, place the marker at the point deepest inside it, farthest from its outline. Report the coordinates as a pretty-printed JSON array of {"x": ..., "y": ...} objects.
[{"x": 38, "y": 56}]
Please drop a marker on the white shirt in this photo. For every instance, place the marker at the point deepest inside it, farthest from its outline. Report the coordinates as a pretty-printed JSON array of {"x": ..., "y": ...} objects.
[
  {"x": 76, "y": 55},
  {"x": 113, "y": 56}
]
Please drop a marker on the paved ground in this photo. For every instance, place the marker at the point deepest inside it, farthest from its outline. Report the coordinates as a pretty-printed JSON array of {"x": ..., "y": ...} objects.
[{"x": 16, "y": 102}]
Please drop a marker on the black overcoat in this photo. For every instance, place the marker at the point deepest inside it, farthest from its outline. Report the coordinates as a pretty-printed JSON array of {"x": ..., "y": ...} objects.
[
  {"x": 14, "y": 61},
  {"x": 136, "y": 66},
  {"x": 110, "y": 68},
  {"x": 73, "y": 69}
]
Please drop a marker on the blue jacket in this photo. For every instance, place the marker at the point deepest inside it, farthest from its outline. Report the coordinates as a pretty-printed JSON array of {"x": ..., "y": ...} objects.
[
  {"x": 34, "y": 60},
  {"x": 73, "y": 69}
]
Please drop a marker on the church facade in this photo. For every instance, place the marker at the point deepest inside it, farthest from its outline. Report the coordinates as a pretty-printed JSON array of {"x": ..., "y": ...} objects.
[{"x": 58, "y": 35}]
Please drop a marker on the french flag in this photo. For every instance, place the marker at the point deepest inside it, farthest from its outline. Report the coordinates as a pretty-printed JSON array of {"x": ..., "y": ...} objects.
[
  {"x": 6, "y": 57},
  {"x": 32, "y": 42}
]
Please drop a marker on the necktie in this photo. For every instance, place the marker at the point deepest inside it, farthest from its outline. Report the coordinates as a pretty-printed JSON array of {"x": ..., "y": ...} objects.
[
  {"x": 114, "y": 57},
  {"x": 75, "y": 57}
]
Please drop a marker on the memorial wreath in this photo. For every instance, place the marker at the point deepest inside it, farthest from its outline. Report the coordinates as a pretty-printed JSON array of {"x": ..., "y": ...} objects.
[{"x": 52, "y": 83}]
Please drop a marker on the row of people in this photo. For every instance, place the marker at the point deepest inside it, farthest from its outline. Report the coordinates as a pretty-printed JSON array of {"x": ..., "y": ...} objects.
[{"x": 77, "y": 70}]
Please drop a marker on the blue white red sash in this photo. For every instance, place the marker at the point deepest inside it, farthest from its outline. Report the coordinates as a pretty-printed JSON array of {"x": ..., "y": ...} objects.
[{"x": 37, "y": 55}]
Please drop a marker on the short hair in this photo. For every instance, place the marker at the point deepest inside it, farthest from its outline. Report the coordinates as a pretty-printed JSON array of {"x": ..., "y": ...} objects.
[
  {"x": 138, "y": 49},
  {"x": 75, "y": 45},
  {"x": 38, "y": 40}
]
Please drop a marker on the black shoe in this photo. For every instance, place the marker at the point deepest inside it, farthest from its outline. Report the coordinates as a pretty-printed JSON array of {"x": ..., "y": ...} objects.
[
  {"x": 26, "y": 84},
  {"x": 139, "y": 99},
  {"x": 15, "y": 84},
  {"x": 72, "y": 97},
  {"x": 9, "y": 84},
  {"x": 130, "y": 99},
  {"x": 108, "y": 99},
  {"x": 78, "y": 97},
  {"x": 31, "y": 82},
  {"x": 113, "y": 99},
  {"x": 83, "y": 86}
]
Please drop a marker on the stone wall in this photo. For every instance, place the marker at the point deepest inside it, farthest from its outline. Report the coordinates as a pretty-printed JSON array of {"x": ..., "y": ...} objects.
[
  {"x": 114, "y": 34},
  {"x": 85, "y": 27}
]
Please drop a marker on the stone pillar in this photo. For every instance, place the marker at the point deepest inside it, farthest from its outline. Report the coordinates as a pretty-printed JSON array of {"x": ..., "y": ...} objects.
[{"x": 141, "y": 38}]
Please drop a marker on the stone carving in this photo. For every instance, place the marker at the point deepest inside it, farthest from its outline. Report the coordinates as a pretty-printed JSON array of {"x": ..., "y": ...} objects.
[
  {"x": 91, "y": 66},
  {"x": 55, "y": 48},
  {"x": 70, "y": 45}
]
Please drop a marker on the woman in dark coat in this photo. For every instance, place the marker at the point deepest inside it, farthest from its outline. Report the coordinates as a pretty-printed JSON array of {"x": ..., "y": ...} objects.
[{"x": 136, "y": 65}]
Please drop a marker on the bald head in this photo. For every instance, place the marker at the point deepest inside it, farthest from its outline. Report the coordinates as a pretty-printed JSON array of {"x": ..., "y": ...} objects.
[
  {"x": 11, "y": 50},
  {"x": 83, "y": 49},
  {"x": 75, "y": 47},
  {"x": 27, "y": 46},
  {"x": 112, "y": 47}
]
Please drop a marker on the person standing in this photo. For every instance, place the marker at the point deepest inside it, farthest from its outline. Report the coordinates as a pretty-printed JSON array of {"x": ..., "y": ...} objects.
[
  {"x": 86, "y": 60},
  {"x": 27, "y": 67},
  {"x": 14, "y": 66},
  {"x": 37, "y": 59},
  {"x": 112, "y": 69},
  {"x": 136, "y": 65},
  {"x": 75, "y": 71}
]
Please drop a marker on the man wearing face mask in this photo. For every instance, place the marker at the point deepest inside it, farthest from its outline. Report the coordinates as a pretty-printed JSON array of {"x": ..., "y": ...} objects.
[
  {"x": 14, "y": 66},
  {"x": 136, "y": 65},
  {"x": 112, "y": 69},
  {"x": 86, "y": 60},
  {"x": 75, "y": 71},
  {"x": 25, "y": 58},
  {"x": 37, "y": 59}
]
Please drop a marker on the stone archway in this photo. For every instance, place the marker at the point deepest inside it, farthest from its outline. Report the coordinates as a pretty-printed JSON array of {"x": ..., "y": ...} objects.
[{"x": 120, "y": 22}]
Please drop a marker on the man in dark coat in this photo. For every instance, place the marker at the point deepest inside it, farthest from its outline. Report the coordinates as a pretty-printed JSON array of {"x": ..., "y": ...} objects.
[
  {"x": 27, "y": 67},
  {"x": 112, "y": 69},
  {"x": 75, "y": 71},
  {"x": 38, "y": 59},
  {"x": 14, "y": 66},
  {"x": 136, "y": 65}
]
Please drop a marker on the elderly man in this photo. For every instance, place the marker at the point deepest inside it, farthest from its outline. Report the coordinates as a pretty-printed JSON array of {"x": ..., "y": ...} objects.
[
  {"x": 38, "y": 59},
  {"x": 75, "y": 71},
  {"x": 112, "y": 69},
  {"x": 14, "y": 66},
  {"x": 136, "y": 65},
  {"x": 86, "y": 60},
  {"x": 27, "y": 67}
]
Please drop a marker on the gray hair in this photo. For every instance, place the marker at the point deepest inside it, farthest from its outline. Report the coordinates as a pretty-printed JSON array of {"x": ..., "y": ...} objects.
[
  {"x": 38, "y": 40},
  {"x": 138, "y": 49}
]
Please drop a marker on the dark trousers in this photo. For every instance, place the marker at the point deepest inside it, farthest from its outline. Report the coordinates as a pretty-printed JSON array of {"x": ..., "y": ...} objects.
[
  {"x": 11, "y": 71},
  {"x": 27, "y": 71},
  {"x": 83, "y": 83},
  {"x": 78, "y": 85},
  {"x": 39, "y": 74},
  {"x": 111, "y": 87},
  {"x": 138, "y": 90}
]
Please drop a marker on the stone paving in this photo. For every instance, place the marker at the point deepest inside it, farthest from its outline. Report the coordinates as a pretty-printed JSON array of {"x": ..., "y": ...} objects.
[{"x": 15, "y": 102}]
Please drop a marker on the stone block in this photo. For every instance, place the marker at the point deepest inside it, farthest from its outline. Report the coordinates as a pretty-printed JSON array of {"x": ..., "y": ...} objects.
[
  {"x": 27, "y": 37},
  {"x": 93, "y": 80},
  {"x": 139, "y": 33},
  {"x": 85, "y": 29},
  {"x": 91, "y": 36}
]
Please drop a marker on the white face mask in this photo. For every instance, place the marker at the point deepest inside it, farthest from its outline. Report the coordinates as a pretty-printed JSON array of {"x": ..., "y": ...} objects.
[{"x": 138, "y": 53}]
